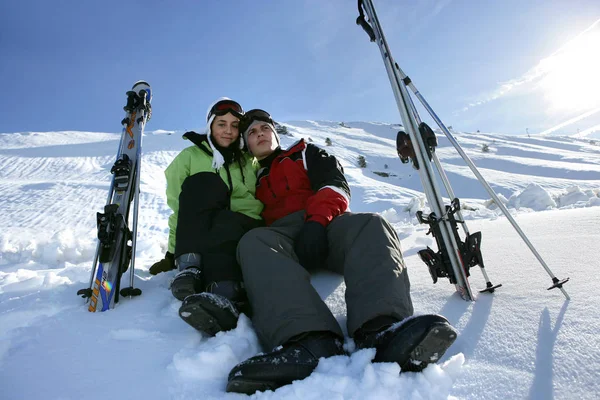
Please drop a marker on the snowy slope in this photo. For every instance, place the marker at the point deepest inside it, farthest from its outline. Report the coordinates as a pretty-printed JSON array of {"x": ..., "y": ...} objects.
[{"x": 522, "y": 342}]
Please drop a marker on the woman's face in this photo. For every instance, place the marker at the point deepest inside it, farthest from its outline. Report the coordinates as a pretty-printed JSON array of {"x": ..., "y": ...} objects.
[{"x": 224, "y": 129}]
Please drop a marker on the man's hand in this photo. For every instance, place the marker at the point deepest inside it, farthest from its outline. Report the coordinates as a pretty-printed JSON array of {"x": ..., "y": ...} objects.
[{"x": 311, "y": 245}]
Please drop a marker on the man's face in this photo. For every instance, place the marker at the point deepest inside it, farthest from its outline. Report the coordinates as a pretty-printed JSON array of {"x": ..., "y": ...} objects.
[{"x": 261, "y": 140}]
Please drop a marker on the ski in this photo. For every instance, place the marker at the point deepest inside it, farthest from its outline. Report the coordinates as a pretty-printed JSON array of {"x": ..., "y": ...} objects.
[
  {"x": 115, "y": 250},
  {"x": 469, "y": 249},
  {"x": 455, "y": 256},
  {"x": 418, "y": 145}
]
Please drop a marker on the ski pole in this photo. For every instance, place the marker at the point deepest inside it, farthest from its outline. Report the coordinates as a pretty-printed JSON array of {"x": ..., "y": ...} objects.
[{"x": 137, "y": 201}]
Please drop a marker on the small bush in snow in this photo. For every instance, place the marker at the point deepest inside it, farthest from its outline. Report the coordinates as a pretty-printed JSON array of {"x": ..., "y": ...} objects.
[
  {"x": 328, "y": 142},
  {"x": 485, "y": 148},
  {"x": 362, "y": 162},
  {"x": 383, "y": 174}
]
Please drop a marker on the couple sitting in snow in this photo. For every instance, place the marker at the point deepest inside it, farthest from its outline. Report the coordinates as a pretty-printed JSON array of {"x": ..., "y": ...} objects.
[{"x": 230, "y": 261}]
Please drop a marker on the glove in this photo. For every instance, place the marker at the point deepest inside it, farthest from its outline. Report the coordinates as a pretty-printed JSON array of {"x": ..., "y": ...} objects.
[
  {"x": 311, "y": 245},
  {"x": 164, "y": 265}
]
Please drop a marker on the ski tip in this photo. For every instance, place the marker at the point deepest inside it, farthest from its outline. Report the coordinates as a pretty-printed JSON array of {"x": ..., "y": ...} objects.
[
  {"x": 140, "y": 83},
  {"x": 143, "y": 85}
]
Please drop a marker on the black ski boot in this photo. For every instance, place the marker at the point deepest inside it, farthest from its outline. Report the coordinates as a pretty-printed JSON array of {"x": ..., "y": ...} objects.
[
  {"x": 414, "y": 344},
  {"x": 215, "y": 310},
  {"x": 295, "y": 360},
  {"x": 186, "y": 283}
]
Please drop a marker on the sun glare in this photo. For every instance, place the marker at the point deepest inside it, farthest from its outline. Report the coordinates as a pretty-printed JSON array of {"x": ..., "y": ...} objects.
[{"x": 572, "y": 75}]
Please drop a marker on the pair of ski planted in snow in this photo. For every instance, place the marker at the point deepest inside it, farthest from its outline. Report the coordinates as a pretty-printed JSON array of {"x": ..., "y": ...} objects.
[
  {"x": 455, "y": 256},
  {"x": 116, "y": 235}
]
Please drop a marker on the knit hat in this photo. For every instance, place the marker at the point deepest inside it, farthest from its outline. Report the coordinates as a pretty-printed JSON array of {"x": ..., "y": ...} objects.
[{"x": 254, "y": 117}]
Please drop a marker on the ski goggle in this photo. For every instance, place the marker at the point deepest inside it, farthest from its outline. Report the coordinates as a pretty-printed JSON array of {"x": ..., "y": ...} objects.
[
  {"x": 226, "y": 106},
  {"x": 254, "y": 115}
]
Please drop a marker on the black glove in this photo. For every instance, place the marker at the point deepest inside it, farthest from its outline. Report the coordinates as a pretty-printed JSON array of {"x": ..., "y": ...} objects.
[
  {"x": 164, "y": 265},
  {"x": 311, "y": 245}
]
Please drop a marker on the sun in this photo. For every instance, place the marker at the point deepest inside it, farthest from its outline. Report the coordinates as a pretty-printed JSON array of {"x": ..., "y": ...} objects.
[{"x": 571, "y": 79}]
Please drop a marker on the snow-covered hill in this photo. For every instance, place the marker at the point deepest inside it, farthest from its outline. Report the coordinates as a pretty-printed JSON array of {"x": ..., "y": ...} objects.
[{"x": 522, "y": 342}]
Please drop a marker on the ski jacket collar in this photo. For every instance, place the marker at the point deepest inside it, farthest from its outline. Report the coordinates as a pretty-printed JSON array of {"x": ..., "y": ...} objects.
[
  {"x": 198, "y": 140},
  {"x": 266, "y": 162},
  {"x": 220, "y": 156},
  {"x": 300, "y": 145}
]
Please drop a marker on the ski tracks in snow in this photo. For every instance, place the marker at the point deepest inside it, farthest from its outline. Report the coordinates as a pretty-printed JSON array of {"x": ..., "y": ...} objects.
[{"x": 52, "y": 185}]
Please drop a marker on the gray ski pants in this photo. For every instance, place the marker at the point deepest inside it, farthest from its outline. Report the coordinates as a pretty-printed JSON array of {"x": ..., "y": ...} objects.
[{"x": 364, "y": 248}]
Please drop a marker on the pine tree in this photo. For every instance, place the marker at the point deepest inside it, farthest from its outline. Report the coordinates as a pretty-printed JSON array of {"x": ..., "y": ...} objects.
[
  {"x": 281, "y": 129},
  {"x": 362, "y": 162}
]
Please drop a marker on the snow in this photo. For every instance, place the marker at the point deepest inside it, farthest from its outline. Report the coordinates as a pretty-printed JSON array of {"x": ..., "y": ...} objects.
[
  {"x": 521, "y": 342},
  {"x": 533, "y": 197}
]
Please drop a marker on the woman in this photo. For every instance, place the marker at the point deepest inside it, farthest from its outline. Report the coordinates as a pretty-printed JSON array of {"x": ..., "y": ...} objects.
[{"x": 210, "y": 188}]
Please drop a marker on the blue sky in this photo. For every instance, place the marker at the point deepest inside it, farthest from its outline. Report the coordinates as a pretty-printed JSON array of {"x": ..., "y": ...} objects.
[{"x": 500, "y": 66}]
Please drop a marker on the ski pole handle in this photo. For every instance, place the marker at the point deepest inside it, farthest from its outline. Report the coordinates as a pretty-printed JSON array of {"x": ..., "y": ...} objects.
[{"x": 363, "y": 22}]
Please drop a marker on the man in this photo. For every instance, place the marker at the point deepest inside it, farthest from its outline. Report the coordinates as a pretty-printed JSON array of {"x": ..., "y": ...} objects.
[{"x": 306, "y": 196}]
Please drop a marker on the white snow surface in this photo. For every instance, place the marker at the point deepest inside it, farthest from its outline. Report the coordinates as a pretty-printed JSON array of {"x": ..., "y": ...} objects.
[{"x": 522, "y": 342}]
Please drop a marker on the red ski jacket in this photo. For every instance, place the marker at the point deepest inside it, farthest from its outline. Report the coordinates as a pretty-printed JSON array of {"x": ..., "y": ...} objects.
[{"x": 303, "y": 177}]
